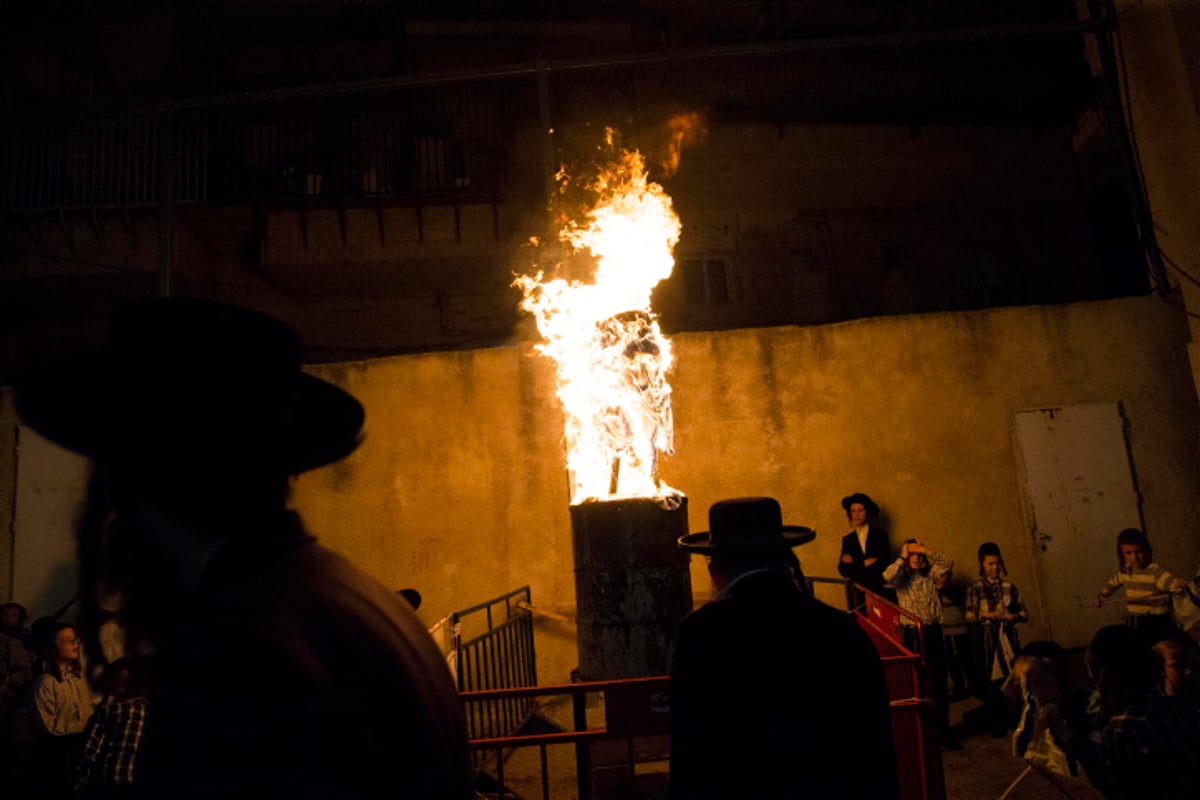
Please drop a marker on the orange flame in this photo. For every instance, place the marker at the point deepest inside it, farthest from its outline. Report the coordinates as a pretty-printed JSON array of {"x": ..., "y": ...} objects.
[
  {"x": 610, "y": 355},
  {"x": 681, "y": 129}
]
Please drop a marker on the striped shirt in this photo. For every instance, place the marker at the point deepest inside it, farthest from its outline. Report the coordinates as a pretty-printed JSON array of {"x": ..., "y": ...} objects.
[{"x": 1147, "y": 590}]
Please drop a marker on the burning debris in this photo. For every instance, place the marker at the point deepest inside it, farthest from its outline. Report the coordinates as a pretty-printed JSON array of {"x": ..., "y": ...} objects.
[{"x": 611, "y": 357}]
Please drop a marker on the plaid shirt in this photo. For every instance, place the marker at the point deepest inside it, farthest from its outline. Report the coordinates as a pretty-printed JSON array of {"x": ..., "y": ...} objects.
[
  {"x": 983, "y": 595},
  {"x": 917, "y": 591},
  {"x": 1151, "y": 750},
  {"x": 111, "y": 744}
]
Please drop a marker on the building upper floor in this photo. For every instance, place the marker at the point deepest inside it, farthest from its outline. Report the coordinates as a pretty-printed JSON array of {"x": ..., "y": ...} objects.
[{"x": 373, "y": 170}]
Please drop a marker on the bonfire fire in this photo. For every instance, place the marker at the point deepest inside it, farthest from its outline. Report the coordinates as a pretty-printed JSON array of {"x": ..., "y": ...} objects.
[{"x": 610, "y": 355}]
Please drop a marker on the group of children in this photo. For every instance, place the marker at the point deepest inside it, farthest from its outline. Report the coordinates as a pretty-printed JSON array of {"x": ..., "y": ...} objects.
[
  {"x": 990, "y": 612},
  {"x": 994, "y": 605},
  {"x": 979, "y": 629},
  {"x": 58, "y": 739}
]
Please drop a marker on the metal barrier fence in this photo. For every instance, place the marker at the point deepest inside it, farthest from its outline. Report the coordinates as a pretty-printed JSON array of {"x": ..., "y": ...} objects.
[
  {"x": 610, "y": 757},
  {"x": 918, "y": 755},
  {"x": 636, "y": 722},
  {"x": 882, "y": 622},
  {"x": 493, "y": 645}
]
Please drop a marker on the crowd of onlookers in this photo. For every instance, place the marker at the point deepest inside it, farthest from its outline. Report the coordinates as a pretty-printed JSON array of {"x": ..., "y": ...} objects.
[
  {"x": 1130, "y": 716},
  {"x": 1133, "y": 723},
  {"x": 60, "y": 738},
  {"x": 280, "y": 669}
]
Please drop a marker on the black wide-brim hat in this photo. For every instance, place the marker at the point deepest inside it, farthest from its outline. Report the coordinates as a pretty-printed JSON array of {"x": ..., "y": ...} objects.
[
  {"x": 192, "y": 382},
  {"x": 867, "y": 503},
  {"x": 746, "y": 525}
]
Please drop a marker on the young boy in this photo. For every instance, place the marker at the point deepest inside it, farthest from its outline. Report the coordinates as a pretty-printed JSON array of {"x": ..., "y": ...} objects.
[
  {"x": 1148, "y": 587},
  {"x": 915, "y": 576},
  {"x": 993, "y": 610}
]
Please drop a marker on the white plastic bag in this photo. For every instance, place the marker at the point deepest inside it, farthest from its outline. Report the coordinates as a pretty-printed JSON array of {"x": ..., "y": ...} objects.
[{"x": 1186, "y": 607}]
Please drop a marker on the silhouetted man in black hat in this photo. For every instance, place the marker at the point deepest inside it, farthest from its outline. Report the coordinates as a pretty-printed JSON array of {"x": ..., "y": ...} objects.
[
  {"x": 773, "y": 693},
  {"x": 283, "y": 671}
]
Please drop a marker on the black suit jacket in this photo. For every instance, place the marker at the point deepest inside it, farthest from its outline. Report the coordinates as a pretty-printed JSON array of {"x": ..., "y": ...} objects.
[
  {"x": 776, "y": 695},
  {"x": 293, "y": 674},
  {"x": 877, "y": 548}
]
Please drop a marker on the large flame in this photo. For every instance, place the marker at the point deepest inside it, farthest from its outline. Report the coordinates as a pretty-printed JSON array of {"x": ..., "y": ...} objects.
[{"x": 611, "y": 357}]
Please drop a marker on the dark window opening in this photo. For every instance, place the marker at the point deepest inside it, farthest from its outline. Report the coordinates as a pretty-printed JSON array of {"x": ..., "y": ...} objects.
[{"x": 706, "y": 281}]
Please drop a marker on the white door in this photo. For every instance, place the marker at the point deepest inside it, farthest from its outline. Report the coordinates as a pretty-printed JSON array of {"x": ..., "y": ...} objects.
[
  {"x": 51, "y": 492},
  {"x": 1079, "y": 495}
]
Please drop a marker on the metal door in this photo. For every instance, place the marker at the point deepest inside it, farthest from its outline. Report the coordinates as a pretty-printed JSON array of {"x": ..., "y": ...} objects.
[
  {"x": 1079, "y": 493},
  {"x": 51, "y": 491}
]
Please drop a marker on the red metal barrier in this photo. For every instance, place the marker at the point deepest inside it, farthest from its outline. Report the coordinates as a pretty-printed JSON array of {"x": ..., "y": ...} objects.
[
  {"x": 636, "y": 720},
  {"x": 918, "y": 755}
]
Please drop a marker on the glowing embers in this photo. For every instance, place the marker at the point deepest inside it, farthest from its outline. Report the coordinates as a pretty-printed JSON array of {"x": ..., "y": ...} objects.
[{"x": 611, "y": 357}]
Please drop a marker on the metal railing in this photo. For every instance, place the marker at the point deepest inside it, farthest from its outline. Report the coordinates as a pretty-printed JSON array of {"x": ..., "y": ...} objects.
[
  {"x": 417, "y": 145},
  {"x": 634, "y": 711},
  {"x": 425, "y": 145},
  {"x": 918, "y": 754},
  {"x": 884, "y": 622},
  {"x": 111, "y": 162},
  {"x": 493, "y": 644},
  {"x": 634, "y": 724}
]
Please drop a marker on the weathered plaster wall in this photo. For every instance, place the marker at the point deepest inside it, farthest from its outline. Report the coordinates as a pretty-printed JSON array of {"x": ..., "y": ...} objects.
[
  {"x": 460, "y": 489},
  {"x": 1160, "y": 48}
]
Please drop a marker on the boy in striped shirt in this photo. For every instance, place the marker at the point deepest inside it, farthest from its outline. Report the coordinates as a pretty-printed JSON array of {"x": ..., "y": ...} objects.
[{"x": 1148, "y": 586}]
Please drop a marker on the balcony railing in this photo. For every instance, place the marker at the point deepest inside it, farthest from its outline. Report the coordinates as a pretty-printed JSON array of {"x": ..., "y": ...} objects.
[{"x": 429, "y": 145}]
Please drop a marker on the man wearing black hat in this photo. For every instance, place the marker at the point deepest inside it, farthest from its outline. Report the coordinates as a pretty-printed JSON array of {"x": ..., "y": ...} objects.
[
  {"x": 283, "y": 671},
  {"x": 865, "y": 549},
  {"x": 773, "y": 693}
]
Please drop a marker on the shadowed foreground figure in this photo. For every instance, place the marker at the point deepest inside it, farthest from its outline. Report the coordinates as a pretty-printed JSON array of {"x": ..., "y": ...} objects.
[
  {"x": 773, "y": 693},
  {"x": 1140, "y": 744},
  {"x": 283, "y": 670}
]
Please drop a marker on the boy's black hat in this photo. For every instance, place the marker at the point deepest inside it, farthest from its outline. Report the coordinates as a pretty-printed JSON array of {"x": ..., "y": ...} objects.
[{"x": 867, "y": 503}]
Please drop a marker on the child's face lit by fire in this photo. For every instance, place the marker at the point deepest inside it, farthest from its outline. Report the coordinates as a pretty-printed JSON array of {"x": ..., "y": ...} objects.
[
  {"x": 1180, "y": 669},
  {"x": 1134, "y": 555},
  {"x": 992, "y": 567},
  {"x": 858, "y": 515},
  {"x": 66, "y": 645}
]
